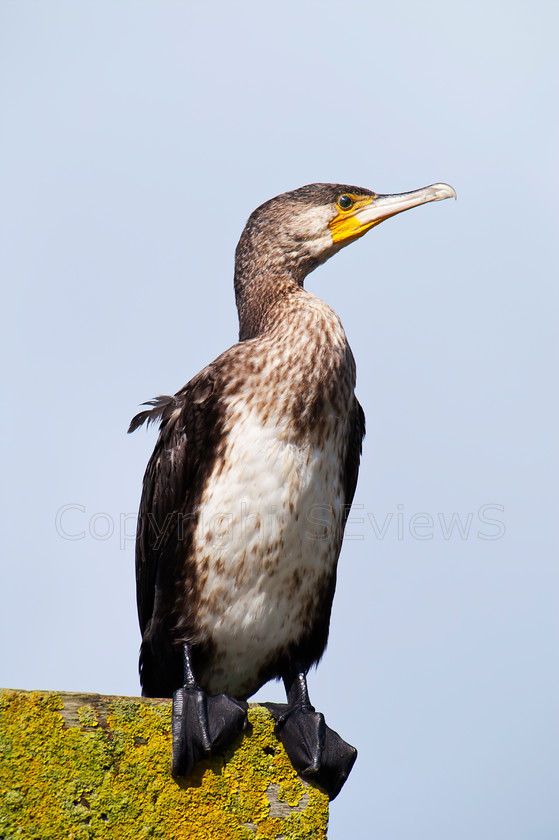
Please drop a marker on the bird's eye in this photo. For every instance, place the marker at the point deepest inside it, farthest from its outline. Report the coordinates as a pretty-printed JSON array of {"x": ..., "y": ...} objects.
[{"x": 345, "y": 202}]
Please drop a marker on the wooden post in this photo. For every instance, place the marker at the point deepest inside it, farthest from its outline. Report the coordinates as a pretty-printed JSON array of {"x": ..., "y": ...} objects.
[{"x": 83, "y": 766}]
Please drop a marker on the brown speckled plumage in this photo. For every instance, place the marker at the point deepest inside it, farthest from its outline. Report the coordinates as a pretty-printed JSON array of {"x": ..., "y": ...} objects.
[{"x": 273, "y": 424}]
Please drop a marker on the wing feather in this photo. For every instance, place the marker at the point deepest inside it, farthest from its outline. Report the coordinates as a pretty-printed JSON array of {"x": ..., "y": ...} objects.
[
  {"x": 353, "y": 457},
  {"x": 173, "y": 483}
]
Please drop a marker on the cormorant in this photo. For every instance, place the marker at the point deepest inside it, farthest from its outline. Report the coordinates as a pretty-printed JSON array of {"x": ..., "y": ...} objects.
[{"x": 246, "y": 495}]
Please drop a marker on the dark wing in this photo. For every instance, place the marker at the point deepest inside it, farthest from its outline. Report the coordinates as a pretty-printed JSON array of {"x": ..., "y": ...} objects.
[
  {"x": 172, "y": 488},
  {"x": 351, "y": 470}
]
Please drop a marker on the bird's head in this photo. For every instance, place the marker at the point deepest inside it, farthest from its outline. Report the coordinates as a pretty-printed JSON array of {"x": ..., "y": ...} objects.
[{"x": 288, "y": 236}]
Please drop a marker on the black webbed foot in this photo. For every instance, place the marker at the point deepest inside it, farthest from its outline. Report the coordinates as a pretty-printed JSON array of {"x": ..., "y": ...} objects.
[
  {"x": 316, "y": 751},
  {"x": 202, "y": 724}
]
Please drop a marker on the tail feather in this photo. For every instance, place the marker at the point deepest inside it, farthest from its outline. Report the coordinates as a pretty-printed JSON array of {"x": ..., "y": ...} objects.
[{"x": 163, "y": 406}]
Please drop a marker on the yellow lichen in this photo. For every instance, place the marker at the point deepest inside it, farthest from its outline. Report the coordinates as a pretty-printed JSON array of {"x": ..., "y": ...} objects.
[{"x": 109, "y": 777}]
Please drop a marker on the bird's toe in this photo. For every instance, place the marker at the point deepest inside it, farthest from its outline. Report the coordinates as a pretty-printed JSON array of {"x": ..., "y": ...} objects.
[{"x": 202, "y": 725}]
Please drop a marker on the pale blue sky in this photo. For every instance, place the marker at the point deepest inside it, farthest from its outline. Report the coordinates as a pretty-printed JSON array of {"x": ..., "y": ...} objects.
[{"x": 136, "y": 138}]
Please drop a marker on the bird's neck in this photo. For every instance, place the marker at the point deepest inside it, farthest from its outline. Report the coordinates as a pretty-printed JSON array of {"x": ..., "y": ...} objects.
[
  {"x": 262, "y": 301},
  {"x": 268, "y": 274}
]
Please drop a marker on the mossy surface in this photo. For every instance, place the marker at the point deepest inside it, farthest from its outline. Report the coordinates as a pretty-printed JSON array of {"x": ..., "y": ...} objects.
[{"x": 102, "y": 770}]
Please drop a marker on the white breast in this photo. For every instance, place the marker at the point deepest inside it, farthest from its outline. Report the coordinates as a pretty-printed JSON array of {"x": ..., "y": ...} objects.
[{"x": 269, "y": 530}]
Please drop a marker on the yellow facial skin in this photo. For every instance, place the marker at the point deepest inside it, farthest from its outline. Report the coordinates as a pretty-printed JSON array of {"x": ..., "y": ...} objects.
[
  {"x": 366, "y": 211},
  {"x": 346, "y": 225}
]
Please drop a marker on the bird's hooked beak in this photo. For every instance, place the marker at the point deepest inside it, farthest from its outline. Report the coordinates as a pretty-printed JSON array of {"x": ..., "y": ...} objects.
[{"x": 368, "y": 211}]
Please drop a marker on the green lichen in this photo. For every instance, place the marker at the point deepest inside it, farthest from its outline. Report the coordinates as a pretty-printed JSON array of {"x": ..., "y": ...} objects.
[
  {"x": 108, "y": 776},
  {"x": 87, "y": 716}
]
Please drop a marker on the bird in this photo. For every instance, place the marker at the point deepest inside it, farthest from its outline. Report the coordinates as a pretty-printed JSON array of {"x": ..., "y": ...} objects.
[{"x": 248, "y": 490}]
